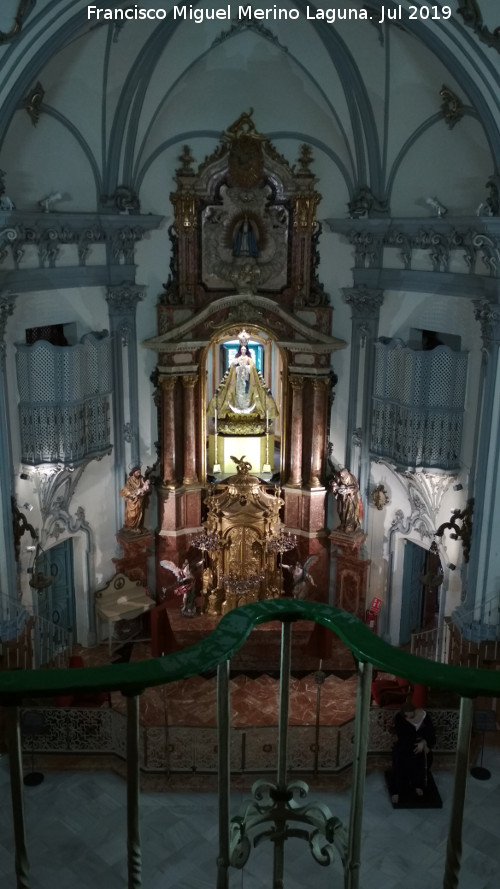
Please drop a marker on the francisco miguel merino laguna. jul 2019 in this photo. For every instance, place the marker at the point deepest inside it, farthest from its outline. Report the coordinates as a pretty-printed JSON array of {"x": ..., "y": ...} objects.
[{"x": 197, "y": 15}]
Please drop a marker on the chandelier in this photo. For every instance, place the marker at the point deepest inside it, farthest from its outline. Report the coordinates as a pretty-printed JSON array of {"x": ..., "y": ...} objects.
[
  {"x": 241, "y": 585},
  {"x": 206, "y": 541},
  {"x": 282, "y": 542}
]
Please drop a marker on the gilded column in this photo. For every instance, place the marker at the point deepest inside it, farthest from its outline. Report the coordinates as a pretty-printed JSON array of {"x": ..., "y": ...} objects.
[
  {"x": 168, "y": 431},
  {"x": 297, "y": 384},
  {"x": 318, "y": 431},
  {"x": 190, "y": 475}
]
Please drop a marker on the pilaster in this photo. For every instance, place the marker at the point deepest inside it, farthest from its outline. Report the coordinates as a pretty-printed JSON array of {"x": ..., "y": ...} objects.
[
  {"x": 365, "y": 306},
  {"x": 168, "y": 425},
  {"x": 8, "y": 575},
  {"x": 484, "y": 563},
  {"x": 318, "y": 432},
  {"x": 296, "y": 432},
  {"x": 122, "y": 304},
  {"x": 190, "y": 474}
]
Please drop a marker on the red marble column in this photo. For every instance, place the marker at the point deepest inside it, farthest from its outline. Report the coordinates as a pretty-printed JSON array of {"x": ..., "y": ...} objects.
[
  {"x": 168, "y": 431},
  {"x": 190, "y": 475},
  {"x": 318, "y": 432},
  {"x": 295, "y": 479}
]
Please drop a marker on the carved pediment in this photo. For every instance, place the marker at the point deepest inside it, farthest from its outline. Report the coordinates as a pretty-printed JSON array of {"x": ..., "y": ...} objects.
[{"x": 225, "y": 316}]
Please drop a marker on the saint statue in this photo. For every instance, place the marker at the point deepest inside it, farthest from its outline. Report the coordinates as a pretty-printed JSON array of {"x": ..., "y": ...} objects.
[
  {"x": 135, "y": 492},
  {"x": 345, "y": 489}
]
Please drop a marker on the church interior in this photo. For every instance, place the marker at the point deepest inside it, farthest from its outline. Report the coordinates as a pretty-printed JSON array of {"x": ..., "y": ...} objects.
[{"x": 250, "y": 329}]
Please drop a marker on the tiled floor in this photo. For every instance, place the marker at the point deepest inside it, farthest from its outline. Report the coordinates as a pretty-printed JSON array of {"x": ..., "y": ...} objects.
[{"x": 76, "y": 837}]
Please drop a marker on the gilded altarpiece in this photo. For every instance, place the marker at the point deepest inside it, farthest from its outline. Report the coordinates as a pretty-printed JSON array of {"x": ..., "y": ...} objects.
[{"x": 244, "y": 254}]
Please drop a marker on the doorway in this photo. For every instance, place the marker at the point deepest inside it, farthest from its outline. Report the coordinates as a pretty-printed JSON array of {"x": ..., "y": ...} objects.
[
  {"x": 419, "y": 602},
  {"x": 56, "y": 603}
]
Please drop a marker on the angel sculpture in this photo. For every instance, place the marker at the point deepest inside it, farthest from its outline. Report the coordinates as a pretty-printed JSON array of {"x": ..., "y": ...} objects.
[
  {"x": 301, "y": 577},
  {"x": 185, "y": 584}
]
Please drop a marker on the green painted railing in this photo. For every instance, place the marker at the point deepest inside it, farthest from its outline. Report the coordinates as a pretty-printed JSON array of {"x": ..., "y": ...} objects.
[
  {"x": 280, "y": 811},
  {"x": 230, "y": 634}
]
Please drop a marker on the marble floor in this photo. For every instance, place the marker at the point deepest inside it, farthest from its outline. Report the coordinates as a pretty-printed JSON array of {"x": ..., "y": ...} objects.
[{"x": 76, "y": 837}]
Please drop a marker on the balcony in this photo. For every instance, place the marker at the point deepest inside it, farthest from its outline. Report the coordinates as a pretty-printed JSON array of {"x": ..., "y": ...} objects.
[{"x": 280, "y": 810}]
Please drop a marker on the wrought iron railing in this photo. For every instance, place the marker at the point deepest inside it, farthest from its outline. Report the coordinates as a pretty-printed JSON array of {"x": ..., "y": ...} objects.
[
  {"x": 181, "y": 749},
  {"x": 29, "y": 641},
  {"x": 278, "y": 806}
]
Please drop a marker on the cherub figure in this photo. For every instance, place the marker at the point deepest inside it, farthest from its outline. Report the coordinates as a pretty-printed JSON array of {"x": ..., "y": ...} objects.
[
  {"x": 301, "y": 576},
  {"x": 185, "y": 584}
]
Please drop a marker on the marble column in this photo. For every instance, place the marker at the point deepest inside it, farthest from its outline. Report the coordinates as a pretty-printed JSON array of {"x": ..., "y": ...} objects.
[
  {"x": 168, "y": 431},
  {"x": 190, "y": 475},
  {"x": 8, "y": 575},
  {"x": 296, "y": 432},
  {"x": 318, "y": 431},
  {"x": 477, "y": 617},
  {"x": 365, "y": 306}
]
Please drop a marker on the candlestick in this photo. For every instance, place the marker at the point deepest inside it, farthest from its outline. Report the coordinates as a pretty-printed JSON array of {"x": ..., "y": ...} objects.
[{"x": 216, "y": 466}]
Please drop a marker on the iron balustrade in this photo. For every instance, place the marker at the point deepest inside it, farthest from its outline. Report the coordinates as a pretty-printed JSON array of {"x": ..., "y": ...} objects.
[{"x": 275, "y": 805}]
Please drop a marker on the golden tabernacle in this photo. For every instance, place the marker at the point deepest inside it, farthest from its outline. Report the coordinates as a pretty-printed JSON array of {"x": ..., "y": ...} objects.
[{"x": 243, "y": 525}]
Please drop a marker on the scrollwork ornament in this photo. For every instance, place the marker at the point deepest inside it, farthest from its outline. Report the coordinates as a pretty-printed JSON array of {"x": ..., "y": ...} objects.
[
  {"x": 7, "y": 237},
  {"x": 490, "y": 249},
  {"x": 451, "y": 107},
  {"x": 488, "y": 315},
  {"x": 33, "y": 102},
  {"x": 123, "y": 244},
  {"x": 473, "y": 18},
  {"x": 23, "y": 10},
  {"x": 402, "y": 241},
  {"x": 271, "y": 804}
]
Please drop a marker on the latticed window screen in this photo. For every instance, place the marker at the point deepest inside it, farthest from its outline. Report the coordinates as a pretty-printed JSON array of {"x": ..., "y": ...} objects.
[
  {"x": 418, "y": 404},
  {"x": 64, "y": 399}
]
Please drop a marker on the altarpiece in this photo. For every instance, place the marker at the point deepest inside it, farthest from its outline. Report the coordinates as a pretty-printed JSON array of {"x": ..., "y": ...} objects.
[{"x": 244, "y": 266}]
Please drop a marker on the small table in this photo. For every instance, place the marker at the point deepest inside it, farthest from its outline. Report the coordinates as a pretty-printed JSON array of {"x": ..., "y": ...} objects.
[{"x": 121, "y": 599}]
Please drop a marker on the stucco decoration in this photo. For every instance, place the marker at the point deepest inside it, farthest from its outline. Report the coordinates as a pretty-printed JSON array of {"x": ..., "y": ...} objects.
[
  {"x": 473, "y": 18},
  {"x": 33, "y": 102},
  {"x": 425, "y": 492},
  {"x": 23, "y": 10},
  {"x": 245, "y": 240},
  {"x": 451, "y": 107}
]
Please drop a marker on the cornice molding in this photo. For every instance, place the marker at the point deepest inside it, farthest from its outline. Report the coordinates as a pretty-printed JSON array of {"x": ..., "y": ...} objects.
[{"x": 258, "y": 310}]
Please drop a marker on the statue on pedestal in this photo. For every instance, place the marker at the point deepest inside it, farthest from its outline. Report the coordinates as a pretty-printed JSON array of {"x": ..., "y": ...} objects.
[
  {"x": 135, "y": 492},
  {"x": 345, "y": 489}
]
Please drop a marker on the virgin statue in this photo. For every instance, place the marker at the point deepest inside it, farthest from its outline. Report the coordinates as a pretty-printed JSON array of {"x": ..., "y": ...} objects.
[{"x": 242, "y": 396}]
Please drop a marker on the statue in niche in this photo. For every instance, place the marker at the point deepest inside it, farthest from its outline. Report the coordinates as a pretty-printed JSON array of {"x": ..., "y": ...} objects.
[
  {"x": 242, "y": 402},
  {"x": 245, "y": 240},
  {"x": 345, "y": 489}
]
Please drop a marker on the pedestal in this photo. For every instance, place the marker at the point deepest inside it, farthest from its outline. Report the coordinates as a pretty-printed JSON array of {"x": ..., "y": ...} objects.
[
  {"x": 137, "y": 547},
  {"x": 252, "y": 447},
  {"x": 351, "y": 572}
]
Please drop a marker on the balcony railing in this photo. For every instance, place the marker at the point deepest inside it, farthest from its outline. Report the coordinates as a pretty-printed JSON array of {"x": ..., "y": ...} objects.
[{"x": 277, "y": 810}]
